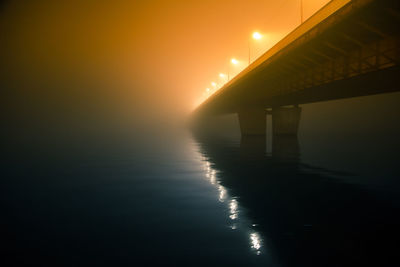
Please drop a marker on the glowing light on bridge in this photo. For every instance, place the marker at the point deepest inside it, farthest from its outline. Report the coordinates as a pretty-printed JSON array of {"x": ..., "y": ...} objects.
[
  {"x": 257, "y": 36},
  {"x": 224, "y": 77},
  {"x": 234, "y": 61}
]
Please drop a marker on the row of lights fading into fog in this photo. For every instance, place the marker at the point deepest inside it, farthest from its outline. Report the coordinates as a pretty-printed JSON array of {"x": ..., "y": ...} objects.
[
  {"x": 233, "y": 62},
  {"x": 233, "y": 206},
  {"x": 255, "y": 36}
]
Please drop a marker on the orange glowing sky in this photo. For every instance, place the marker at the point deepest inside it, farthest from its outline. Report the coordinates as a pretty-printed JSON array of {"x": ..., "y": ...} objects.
[{"x": 155, "y": 53}]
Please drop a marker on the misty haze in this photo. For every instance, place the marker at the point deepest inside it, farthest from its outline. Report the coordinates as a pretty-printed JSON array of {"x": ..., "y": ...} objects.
[{"x": 200, "y": 133}]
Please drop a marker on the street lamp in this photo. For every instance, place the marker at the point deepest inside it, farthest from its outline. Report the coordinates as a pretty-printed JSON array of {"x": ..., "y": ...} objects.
[
  {"x": 223, "y": 77},
  {"x": 234, "y": 61},
  {"x": 255, "y": 36}
]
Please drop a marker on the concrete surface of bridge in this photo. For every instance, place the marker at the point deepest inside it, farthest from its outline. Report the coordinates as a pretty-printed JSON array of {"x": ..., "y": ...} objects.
[{"x": 349, "y": 48}]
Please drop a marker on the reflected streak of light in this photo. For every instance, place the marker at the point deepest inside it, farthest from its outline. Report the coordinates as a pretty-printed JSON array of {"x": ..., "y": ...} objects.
[
  {"x": 255, "y": 242},
  {"x": 212, "y": 177},
  {"x": 222, "y": 193},
  {"x": 211, "y": 174},
  {"x": 233, "y": 206},
  {"x": 255, "y": 239}
]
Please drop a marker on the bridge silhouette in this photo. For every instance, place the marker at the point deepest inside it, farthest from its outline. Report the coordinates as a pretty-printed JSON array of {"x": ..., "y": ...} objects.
[{"x": 349, "y": 48}]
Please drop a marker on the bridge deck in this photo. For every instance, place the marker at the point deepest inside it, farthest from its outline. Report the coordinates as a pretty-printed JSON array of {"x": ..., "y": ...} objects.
[{"x": 348, "y": 48}]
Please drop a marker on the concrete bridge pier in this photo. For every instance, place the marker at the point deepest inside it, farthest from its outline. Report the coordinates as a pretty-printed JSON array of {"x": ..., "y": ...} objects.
[
  {"x": 252, "y": 121},
  {"x": 285, "y": 120},
  {"x": 285, "y": 147}
]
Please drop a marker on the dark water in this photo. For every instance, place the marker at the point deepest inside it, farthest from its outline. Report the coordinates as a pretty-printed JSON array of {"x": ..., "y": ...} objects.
[{"x": 176, "y": 198}]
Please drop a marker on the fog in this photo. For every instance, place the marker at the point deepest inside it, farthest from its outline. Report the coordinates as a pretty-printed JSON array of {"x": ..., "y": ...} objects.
[{"x": 120, "y": 63}]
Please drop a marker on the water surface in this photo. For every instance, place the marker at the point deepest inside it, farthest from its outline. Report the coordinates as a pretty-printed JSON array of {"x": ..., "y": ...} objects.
[{"x": 177, "y": 198}]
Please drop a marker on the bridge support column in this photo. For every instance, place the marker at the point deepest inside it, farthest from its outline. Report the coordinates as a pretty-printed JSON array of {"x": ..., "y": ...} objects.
[
  {"x": 252, "y": 121},
  {"x": 285, "y": 120}
]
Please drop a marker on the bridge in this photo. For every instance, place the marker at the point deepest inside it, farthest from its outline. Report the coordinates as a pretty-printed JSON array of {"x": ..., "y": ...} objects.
[{"x": 349, "y": 48}]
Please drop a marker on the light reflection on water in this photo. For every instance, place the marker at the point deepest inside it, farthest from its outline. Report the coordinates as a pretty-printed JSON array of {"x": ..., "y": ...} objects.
[
  {"x": 255, "y": 242},
  {"x": 302, "y": 215},
  {"x": 234, "y": 207},
  {"x": 222, "y": 193}
]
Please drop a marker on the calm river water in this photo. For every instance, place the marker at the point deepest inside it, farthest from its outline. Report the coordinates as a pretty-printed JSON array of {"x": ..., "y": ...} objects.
[{"x": 175, "y": 198}]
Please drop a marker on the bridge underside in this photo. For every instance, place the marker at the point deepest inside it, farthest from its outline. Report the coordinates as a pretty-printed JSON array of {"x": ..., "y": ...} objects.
[{"x": 378, "y": 82}]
